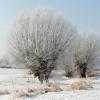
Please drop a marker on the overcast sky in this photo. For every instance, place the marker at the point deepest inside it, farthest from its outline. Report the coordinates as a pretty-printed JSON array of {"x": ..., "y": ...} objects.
[{"x": 85, "y": 14}]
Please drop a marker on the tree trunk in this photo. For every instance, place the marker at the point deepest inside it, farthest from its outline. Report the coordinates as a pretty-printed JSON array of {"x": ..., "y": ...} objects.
[
  {"x": 83, "y": 71},
  {"x": 76, "y": 72},
  {"x": 80, "y": 71}
]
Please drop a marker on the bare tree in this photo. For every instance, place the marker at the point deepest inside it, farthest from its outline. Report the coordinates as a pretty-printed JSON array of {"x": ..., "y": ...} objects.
[
  {"x": 85, "y": 52},
  {"x": 38, "y": 40}
]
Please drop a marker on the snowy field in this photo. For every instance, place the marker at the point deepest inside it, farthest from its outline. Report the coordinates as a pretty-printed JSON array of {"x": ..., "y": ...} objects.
[{"x": 15, "y": 80}]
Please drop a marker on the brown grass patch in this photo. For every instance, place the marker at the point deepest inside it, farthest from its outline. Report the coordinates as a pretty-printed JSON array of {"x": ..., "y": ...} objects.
[
  {"x": 75, "y": 86},
  {"x": 33, "y": 92},
  {"x": 81, "y": 84},
  {"x": 92, "y": 78},
  {"x": 20, "y": 94},
  {"x": 4, "y": 92},
  {"x": 17, "y": 99}
]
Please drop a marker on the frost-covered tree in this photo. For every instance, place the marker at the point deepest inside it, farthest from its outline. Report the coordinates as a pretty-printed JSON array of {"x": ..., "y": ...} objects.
[
  {"x": 85, "y": 52},
  {"x": 37, "y": 40}
]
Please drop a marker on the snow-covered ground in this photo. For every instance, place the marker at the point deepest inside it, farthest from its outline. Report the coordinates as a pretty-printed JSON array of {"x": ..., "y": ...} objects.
[{"x": 14, "y": 80}]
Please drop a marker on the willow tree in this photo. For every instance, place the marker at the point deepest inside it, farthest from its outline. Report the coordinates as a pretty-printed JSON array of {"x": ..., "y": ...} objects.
[
  {"x": 37, "y": 40},
  {"x": 85, "y": 52}
]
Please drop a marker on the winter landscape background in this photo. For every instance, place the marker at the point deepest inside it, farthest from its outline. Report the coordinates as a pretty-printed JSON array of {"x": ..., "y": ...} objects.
[{"x": 49, "y": 50}]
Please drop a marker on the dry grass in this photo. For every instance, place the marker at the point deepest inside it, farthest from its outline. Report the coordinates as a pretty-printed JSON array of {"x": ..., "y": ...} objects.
[
  {"x": 16, "y": 81},
  {"x": 53, "y": 87},
  {"x": 75, "y": 86},
  {"x": 92, "y": 78},
  {"x": 17, "y": 99},
  {"x": 20, "y": 94},
  {"x": 91, "y": 74},
  {"x": 4, "y": 92},
  {"x": 81, "y": 84},
  {"x": 33, "y": 92}
]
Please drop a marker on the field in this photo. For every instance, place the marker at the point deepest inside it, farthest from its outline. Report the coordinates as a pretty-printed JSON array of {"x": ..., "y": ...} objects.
[{"x": 16, "y": 81}]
